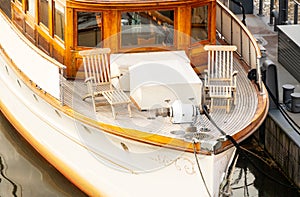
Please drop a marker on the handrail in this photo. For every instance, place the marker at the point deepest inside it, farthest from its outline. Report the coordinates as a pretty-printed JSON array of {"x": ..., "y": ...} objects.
[{"x": 234, "y": 32}]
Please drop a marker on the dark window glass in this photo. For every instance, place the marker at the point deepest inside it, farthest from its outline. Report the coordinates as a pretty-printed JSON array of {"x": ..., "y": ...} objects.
[
  {"x": 5, "y": 6},
  {"x": 89, "y": 25},
  {"x": 59, "y": 25},
  {"x": 199, "y": 24},
  {"x": 43, "y": 12},
  {"x": 147, "y": 28}
]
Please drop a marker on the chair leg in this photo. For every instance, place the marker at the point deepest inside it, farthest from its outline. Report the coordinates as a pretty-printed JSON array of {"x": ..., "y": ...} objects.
[
  {"x": 94, "y": 103},
  {"x": 129, "y": 110},
  {"x": 113, "y": 111},
  {"x": 228, "y": 105},
  {"x": 234, "y": 97},
  {"x": 211, "y": 104}
]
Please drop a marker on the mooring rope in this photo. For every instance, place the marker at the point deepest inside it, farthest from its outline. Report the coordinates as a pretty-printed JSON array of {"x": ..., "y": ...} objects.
[
  {"x": 199, "y": 168},
  {"x": 204, "y": 107}
]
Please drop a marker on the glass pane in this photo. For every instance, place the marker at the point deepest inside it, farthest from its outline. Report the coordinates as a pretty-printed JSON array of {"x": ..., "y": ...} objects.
[
  {"x": 31, "y": 7},
  {"x": 43, "y": 12},
  {"x": 5, "y": 6},
  {"x": 199, "y": 25},
  {"x": 89, "y": 25},
  {"x": 147, "y": 28},
  {"x": 59, "y": 26}
]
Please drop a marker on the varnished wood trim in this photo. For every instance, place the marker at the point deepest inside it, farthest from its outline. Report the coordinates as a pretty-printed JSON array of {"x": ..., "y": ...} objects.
[{"x": 129, "y": 3}]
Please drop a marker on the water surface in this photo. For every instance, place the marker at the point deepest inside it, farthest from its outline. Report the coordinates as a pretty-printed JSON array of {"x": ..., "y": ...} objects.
[{"x": 26, "y": 173}]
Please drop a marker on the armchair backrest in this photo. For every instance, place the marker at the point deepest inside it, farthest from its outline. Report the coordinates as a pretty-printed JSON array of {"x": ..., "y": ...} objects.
[
  {"x": 220, "y": 62},
  {"x": 96, "y": 65}
]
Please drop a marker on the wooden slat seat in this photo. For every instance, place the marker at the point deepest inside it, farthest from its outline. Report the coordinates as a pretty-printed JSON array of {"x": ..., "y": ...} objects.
[
  {"x": 223, "y": 92},
  {"x": 116, "y": 97}
]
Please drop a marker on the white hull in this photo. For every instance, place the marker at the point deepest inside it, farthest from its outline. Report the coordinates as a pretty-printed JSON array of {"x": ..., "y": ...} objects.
[{"x": 95, "y": 160}]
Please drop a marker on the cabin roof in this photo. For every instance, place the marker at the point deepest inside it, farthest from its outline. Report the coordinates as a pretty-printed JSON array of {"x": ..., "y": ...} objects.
[{"x": 140, "y": 2}]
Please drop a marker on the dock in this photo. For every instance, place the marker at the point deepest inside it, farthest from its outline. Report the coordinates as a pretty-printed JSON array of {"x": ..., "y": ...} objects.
[{"x": 279, "y": 137}]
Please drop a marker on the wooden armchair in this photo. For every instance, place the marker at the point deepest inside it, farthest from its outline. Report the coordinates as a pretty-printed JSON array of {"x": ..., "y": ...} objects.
[
  {"x": 220, "y": 78},
  {"x": 98, "y": 79}
]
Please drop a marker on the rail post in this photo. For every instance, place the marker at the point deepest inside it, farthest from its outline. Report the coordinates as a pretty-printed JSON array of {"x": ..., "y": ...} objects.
[
  {"x": 283, "y": 12},
  {"x": 260, "y": 10},
  {"x": 61, "y": 84},
  {"x": 296, "y": 4},
  {"x": 271, "y": 11}
]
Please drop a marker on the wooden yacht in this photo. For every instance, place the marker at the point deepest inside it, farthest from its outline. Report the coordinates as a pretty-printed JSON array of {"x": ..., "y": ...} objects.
[{"x": 132, "y": 97}]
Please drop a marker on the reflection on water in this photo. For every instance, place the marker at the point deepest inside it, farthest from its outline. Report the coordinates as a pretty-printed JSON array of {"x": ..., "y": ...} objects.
[
  {"x": 23, "y": 172},
  {"x": 256, "y": 174}
]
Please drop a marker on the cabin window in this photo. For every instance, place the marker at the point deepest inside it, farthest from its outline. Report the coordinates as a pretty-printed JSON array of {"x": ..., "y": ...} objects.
[
  {"x": 59, "y": 17},
  {"x": 5, "y": 6},
  {"x": 147, "y": 28},
  {"x": 89, "y": 25},
  {"x": 199, "y": 25},
  {"x": 43, "y": 12},
  {"x": 31, "y": 7}
]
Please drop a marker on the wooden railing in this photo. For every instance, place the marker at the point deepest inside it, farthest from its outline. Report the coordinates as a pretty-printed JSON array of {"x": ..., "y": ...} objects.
[{"x": 234, "y": 32}]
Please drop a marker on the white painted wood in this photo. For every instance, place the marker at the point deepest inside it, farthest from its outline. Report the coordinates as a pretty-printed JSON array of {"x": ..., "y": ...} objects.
[
  {"x": 220, "y": 79},
  {"x": 91, "y": 156},
  {"x": 38, "y": 69},
  {"x": 121, "y": 62},
  {"x": 97, "y": 73},
  {"x": 155, "y": 84}
]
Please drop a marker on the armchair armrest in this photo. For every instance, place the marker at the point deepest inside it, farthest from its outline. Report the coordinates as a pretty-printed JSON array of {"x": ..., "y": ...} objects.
[
  {"x": 205, "y": 77},
  {"x": 234, "y": 74},
  {"x": 116, "y": 76},
  {"x": 89, "y": 79}
]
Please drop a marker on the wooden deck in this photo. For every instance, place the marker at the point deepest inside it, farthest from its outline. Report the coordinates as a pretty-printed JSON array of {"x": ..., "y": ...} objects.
[{"x": 238, "y": 118}]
